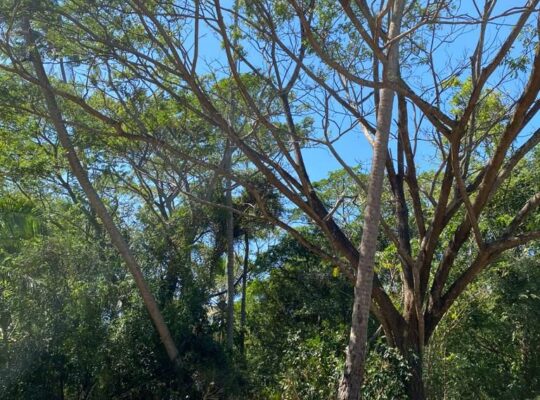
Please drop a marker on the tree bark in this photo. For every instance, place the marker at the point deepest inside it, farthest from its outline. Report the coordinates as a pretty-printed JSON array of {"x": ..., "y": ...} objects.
[
  {"x": 229, "y": 150},
  {"x": 244, "y": 289},
  {"x": 93, "y": 198},
  {"x": 356, "y": 351},
  {"x": 352, "y": 380},
  {"x": 230, "y": 249},
  {"x": 412, "y": 350},
  {"x": 415, "y": 384}
]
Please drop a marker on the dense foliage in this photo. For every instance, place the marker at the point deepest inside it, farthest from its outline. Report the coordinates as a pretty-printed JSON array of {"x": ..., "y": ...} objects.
[{"x": 73, "y": 326}]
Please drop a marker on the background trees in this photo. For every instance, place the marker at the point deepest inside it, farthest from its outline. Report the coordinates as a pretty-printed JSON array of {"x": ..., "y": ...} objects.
[{"x": 131, "y": 90}]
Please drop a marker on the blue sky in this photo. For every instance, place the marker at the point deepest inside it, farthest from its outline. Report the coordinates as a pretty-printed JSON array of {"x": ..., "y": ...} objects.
[{"x": 353, "y": 147}]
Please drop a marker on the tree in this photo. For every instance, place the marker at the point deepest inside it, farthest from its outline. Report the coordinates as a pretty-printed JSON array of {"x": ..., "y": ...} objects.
[
  {"x": 93, "y": 197},
  {"x": 325, "y": 69},
  {"x": 351, "y": 383},
  {"x": 72, "y": 322}
]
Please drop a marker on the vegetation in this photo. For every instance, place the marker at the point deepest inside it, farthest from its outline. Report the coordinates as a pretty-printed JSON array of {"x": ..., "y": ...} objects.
[{"x": 162, "y": 235}]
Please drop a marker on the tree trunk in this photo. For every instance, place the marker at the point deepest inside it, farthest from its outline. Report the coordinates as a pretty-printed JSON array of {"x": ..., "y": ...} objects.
[
  {"x": 244, "y": 287},
  {"x": 229, "y": 150},
  {"x": 230, "y": 249},
  {"x": 356, "y": 351},
  {"x": 352, "y": 380},
  {"x": 415, "y": 384},
  {"x": 412, "y": 350},
  {"x": 93, "y": 198}
]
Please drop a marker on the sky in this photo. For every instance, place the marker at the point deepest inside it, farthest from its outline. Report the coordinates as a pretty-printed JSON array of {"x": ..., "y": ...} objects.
[{"x": 353, "y": 147}]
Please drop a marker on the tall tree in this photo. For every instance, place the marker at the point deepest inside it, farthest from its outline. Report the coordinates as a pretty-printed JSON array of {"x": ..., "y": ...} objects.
[
  {"x": 351, "y": 383},
  {"x": 93, "y": 197}
]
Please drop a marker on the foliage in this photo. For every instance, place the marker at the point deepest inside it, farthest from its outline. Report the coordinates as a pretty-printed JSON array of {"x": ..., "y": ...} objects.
[
  {"x": 500, "y": 318},
  {"x": 149, "y": 95},
  {"x": 387, "y": 373}
]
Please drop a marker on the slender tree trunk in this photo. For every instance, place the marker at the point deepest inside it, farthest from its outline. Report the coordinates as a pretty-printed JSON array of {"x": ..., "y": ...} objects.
[
  {"x": 244, "y": 287},
  {"x": 229, "y": 149},
  {"x": 93, "y": 198},
  {"x": 352, "y": 380},
  {"x": 356, "y": 351},
  {"x": 230, "y": 250}
]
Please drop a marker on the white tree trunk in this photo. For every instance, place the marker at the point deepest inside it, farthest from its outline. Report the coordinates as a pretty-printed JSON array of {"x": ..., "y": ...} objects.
[{"x": 352, "y": 380}]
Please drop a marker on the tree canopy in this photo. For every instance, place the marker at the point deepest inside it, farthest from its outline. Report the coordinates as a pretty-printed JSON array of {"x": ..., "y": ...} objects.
[{"x": 269, "y": 199}]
